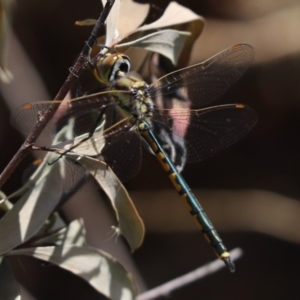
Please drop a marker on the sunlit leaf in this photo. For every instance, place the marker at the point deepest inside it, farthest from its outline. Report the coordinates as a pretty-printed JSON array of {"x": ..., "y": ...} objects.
[
  {"x": 44, "y": 169},
  {"x": 73, "y": 234},
  {"x": 112, "y": 22},
  {"x": 173, "y": 15},
  {"x": 9, "y": 289},
  {"x": 96, "y": 267},
  {"x": 5, "y": 204},
  {"x": 125, "y": 20},
  {"x": 166, "y": 42},
  {"x": 29, "y": 214},
  {"x": 130, "y": 225},
  {"x": 54, "y": 223}
]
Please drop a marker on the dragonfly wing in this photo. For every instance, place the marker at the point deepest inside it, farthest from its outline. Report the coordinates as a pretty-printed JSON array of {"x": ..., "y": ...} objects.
[
  {"x": 213, "y": 129},
  {"x": 83, "y": 109},
  {"x": 170, "y": 135},
  {"x": 204, "y": 82},
  {"x": 122, "y": 150},
  {"x": 25, "y": 117},
  {"x": 195, "y": 135}
]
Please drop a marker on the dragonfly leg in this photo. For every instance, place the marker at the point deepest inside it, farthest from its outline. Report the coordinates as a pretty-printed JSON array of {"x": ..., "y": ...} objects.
[{"x": 71, "y": 71}]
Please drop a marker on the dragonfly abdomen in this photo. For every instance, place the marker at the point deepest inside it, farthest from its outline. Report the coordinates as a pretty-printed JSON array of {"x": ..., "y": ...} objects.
[{"x": 187, "y": 196}]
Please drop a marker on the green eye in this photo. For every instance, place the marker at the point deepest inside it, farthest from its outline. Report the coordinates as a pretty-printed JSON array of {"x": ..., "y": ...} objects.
[{"x": 111, "y": 67}]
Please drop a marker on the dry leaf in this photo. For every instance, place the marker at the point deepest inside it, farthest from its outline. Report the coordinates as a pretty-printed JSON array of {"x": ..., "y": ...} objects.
[
  {"x": 28, "y": 215},
  {"x": 96, "y": 267},
  {"x": 9, "y": 288},
  {"x": 130, "y": 225},
  {"x": 174, "y": 14},
  {"x": 126, "y": 22},
  {"x": 73, "y": 234},
  {"x": 166, "y": 42}
]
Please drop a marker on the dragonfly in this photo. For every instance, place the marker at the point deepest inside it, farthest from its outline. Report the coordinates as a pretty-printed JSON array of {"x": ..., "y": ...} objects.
[{"x": 168, "y": 117}]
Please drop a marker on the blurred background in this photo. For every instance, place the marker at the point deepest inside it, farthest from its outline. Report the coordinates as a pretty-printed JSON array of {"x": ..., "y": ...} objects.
[{"x": 250, "y": 190}]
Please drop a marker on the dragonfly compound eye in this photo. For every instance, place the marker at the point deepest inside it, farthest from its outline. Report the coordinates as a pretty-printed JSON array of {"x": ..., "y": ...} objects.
[{"x": 111, "y": 67}]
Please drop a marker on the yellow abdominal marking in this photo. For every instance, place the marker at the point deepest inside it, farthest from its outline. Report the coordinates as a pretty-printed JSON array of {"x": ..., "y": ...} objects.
[
  {"x": 225, "y": 255},
  {"x": 161, "y": 158},
  {"x": 173, "y": 177},
  {"x": 152, "y": 144},
  {"x": 186, "y": 202}
]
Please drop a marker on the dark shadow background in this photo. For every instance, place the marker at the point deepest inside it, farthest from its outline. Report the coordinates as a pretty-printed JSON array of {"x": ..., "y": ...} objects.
[{"x": 268, "y": 158}]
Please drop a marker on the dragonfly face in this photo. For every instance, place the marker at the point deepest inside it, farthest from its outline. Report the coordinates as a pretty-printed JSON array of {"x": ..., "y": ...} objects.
[{"x": 111, "y": 66}]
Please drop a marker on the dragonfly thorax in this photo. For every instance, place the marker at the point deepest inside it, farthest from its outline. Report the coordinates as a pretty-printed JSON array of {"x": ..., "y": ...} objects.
[
  {"x": 138, "y": 102},
  {"x": 113, "y": 69}
]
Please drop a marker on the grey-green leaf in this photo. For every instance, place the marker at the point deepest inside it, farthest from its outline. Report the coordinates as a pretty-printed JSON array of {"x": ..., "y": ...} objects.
[
  {"x": 96, "y": 267},
  {"x": 31, "y": 211},
  {"x": 73, "y": 234},
  {"x": 130, "y": 224},
  {"x": 173, "y": 15},
  {"x": 167, "y": 42},
  {"x": 9, "y": 289}
]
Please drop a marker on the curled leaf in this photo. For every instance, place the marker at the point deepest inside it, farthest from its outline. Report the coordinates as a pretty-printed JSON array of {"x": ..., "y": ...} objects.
[
  {"x": 166, "y": 42},
  {"x": 126, "y": 22},
  {"x": 112, "y": 22},
  {"x": 96, "y": 267},
  {"x": 176, "y": 17},
  {"x": 28, "y": 215},
  {"x": 130, "y": 223},
  {"x": 173, "y": 15}
]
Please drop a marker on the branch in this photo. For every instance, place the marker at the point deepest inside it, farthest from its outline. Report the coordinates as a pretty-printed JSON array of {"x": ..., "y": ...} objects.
[
  {"x": 208, "y": 269},
  {"x": 42, "y": 122}
]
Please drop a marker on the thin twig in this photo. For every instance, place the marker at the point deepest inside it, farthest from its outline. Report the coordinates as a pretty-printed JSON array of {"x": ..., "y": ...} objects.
[
  {"x": 208, "y": 269},
  {"x": 42, "y": 122}
]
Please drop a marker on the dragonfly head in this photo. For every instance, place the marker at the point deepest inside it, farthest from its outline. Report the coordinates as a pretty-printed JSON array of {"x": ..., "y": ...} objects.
[{"x": 111, "y": 67}]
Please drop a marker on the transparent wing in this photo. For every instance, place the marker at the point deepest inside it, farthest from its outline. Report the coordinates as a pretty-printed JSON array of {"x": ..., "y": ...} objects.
[
  {"x": 122, "y": 150},
  {"x": 198, "y": 134},
  {"x": 84, "y": 109},
  {"x": 117, "y": 142},
  {"x": 123, "y": 153},
  {"x": 205, "y": 82},
  {"x": 214, "y": 129}
]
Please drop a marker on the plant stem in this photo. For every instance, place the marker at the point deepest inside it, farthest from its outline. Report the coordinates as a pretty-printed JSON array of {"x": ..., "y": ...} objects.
[{"x": 42, "y": 122}]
